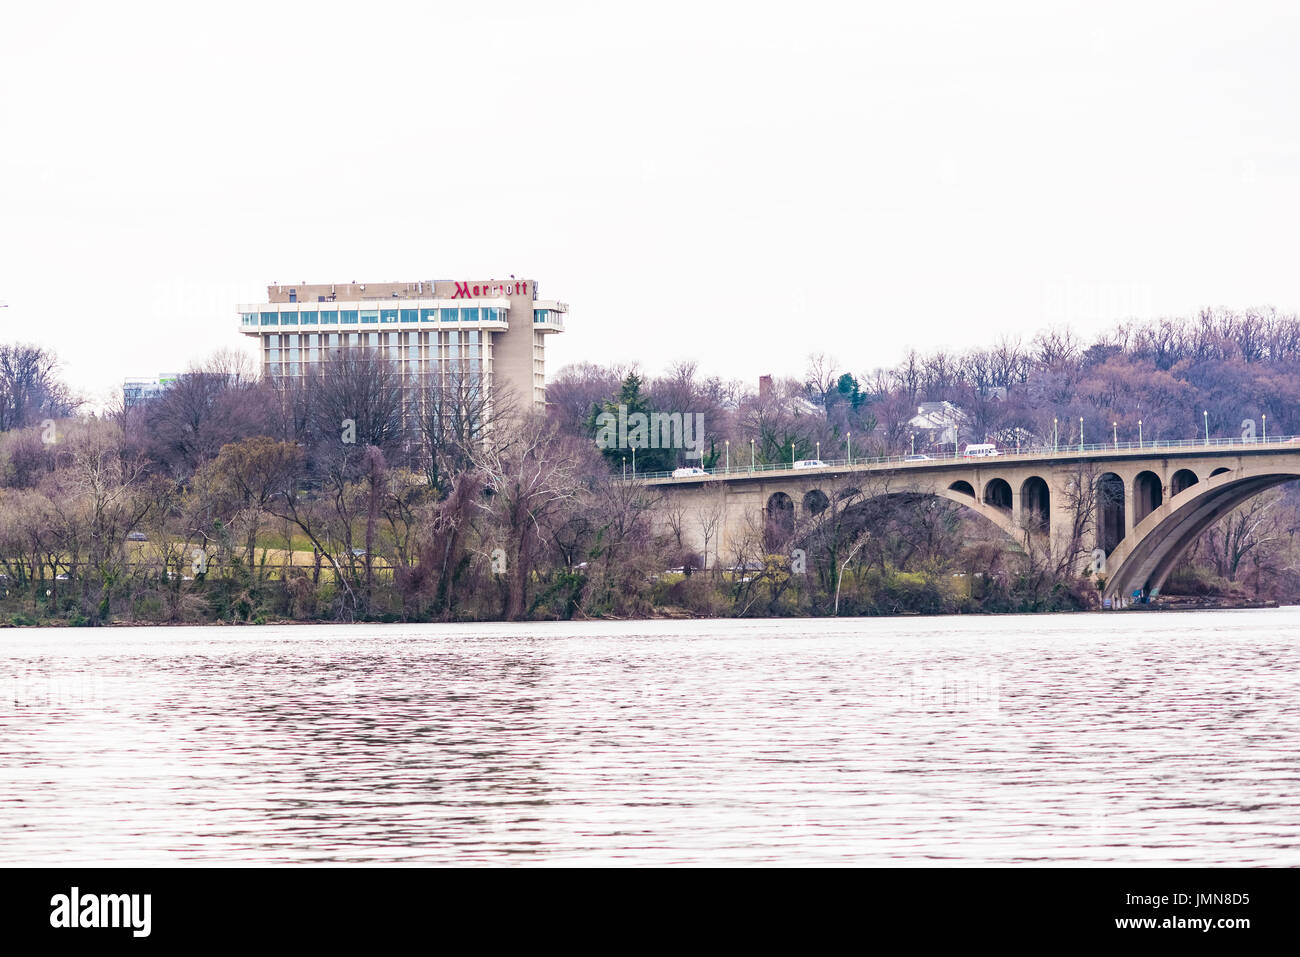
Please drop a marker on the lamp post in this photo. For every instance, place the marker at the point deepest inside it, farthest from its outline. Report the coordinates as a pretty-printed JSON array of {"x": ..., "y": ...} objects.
[
  {"x": 913, "y": 443},
  {"x": 1265, "y": 418},
  {"x": 727, "y": 443},
  {"x": 1114, "y": 431},
  {"x": 1139, "y": 433},
  {"x": 634, "y": 461},
  {"x": 819, "y": 450},
  {"x": 1206, "y": 414},
  {"x": 1055, "y": 435},
  {"x": 625, "y": 467},
  {"x": 751, "y": 455},
  {"x": 1080, "y": 433},
  {"x": 839, "y": 579},
  {"x": 849, "y": 436},
  {"x": 791, "y": 455}
]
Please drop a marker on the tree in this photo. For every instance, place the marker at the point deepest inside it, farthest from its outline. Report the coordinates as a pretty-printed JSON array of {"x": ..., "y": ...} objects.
[
  {"x": 246, "y": 477},
  {"x": 531, "y": 477},
  {"x": 457, "y": 412},
  {"x": 215, "y": 403},
  {"x": 29, "y": 389}
]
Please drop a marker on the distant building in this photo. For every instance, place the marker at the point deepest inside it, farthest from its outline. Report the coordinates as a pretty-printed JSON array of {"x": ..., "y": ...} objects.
[
  {"x": 936, "y": 423},
  {"x": 135, "y": 391},
  {"x": 494, "y": 332}
]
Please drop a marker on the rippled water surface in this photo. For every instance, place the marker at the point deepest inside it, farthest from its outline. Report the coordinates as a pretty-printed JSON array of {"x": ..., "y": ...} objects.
[{"x": 1142, "y": 738}]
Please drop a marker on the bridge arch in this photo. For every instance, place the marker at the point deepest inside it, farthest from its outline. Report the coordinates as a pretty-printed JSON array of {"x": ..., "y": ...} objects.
[
  {"x": 1036, "y": 504},
  {"x": 779, "y": 524},
  {"x": 963, "y": 488},
  {"x": 997, "y": 493},
  {"x": 1110, "y": 511},
  {"x": 1147, "y": 494},
  {"x": 1181, "y": 481},
  {"x": 1219, "y": 471},
  {"x": 815, "y": 501},
  {"x": 1146, "y": 558}
]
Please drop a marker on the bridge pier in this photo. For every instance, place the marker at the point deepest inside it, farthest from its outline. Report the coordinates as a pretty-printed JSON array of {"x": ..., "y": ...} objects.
[{"x": 1130, "y": 504}]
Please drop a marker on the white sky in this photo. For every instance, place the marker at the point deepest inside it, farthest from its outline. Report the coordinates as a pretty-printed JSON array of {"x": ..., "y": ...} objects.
[{"x": 738, "y": 183}]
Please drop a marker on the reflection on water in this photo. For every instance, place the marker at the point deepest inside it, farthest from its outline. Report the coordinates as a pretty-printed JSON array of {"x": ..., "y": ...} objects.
[{"x": 1158, "y": 738}]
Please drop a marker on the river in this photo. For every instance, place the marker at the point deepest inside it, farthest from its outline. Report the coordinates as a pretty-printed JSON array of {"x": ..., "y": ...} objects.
[{"x": 1145, "y": 738}]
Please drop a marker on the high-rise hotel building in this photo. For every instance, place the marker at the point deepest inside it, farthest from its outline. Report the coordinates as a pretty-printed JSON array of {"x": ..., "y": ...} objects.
[{"x": 495, "y": 329}]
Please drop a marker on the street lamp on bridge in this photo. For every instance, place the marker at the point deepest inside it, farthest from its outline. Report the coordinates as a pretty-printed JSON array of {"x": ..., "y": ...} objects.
[
  {"x": 727, "y": 443},
  {"x": 1139, "y": 433},
  {"x": 1114, "y": 431},
  {"x": 1206, "y": 414},
  {"x": 1055, "y": 434},
  {"x": 1080, "y": 433},
  {"x": 849, "y": 437}
]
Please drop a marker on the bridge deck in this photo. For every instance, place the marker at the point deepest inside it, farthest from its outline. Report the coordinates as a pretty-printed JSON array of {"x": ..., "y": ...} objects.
[{"x": 1119, "y": 451}]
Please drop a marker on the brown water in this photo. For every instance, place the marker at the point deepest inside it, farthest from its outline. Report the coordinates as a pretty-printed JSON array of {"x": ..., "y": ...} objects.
[{"x": 1136, "y": 738}]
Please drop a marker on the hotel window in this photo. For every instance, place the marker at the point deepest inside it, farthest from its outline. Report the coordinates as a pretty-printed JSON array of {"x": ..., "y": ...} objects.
[
  {"x": 329, "y": 317},
  {"x": 428, "y": 315},
  {"x": 348, "y": 315},
  {"x": 388, "y": 315},
  {"x": 449, "y": 315},
  {"x": 469, "y": 315},
  {"x": 307, "y": 318},
  {"x": 249, "y": 318},
  {"x": 410, "y": 315},
  {"x": 288, "y": 318},
  {"x": 270, "y": 319},
  {"x": 369, "y": 316},
  {"x": 541, "y": 315}
]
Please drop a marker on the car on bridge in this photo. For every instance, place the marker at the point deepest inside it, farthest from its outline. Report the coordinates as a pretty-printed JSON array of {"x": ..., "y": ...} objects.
[
  {"x": 918, "y": 458},
  {"x": 688, "y": 471},
  {"x": 983, "y": 450},
  {"x": 810, "y": 464}
]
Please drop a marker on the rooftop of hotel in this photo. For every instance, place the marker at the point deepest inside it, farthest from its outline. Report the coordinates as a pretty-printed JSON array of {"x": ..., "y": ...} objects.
[{"x": 360, "y": 292}]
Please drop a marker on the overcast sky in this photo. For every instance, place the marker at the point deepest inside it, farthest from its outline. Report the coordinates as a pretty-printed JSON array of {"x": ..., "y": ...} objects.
[{"x": 738, "y": 183}]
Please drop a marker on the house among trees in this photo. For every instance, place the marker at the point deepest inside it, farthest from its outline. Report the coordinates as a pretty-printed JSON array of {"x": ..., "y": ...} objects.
[{"x": 937, "y": 423}]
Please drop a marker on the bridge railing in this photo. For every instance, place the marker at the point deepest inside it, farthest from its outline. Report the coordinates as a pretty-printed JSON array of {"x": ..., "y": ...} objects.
[{"x": 1025, "y": 452}]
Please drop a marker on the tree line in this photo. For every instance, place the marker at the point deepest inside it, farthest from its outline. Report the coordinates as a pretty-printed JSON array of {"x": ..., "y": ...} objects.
[{"x": 357, "y": 494}]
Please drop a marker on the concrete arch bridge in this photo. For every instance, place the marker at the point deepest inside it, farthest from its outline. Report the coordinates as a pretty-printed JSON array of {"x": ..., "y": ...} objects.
[{"x": 1140, "y": 506}]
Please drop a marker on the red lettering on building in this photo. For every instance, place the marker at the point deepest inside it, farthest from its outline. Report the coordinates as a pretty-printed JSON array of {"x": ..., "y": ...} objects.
[{"x": 466, "y": 291}]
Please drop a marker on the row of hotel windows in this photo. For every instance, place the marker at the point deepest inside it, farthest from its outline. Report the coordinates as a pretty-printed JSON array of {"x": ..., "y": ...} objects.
[
  {"x": 398, "y": 346},
  {"x": 372, "y": 340},
  {"x": 334, "y": 317}
]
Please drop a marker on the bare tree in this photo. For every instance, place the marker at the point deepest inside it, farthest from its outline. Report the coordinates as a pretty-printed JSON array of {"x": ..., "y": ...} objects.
[
  {"x": 529, "y": 469},
  {"x": 29, "y": 389}
]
